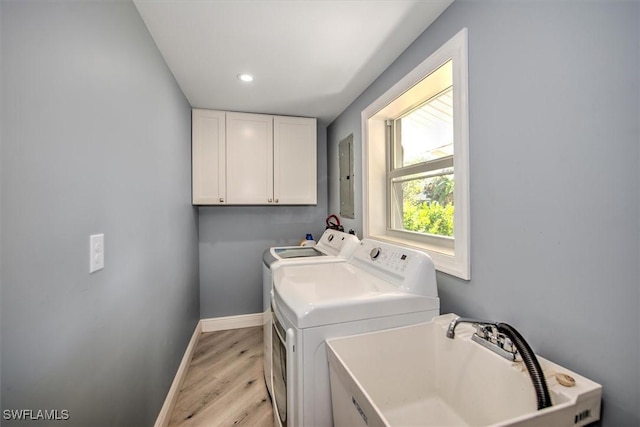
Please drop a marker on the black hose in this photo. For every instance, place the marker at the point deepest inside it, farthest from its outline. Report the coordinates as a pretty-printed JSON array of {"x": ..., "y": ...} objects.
[{"x": 531, "y": 362}]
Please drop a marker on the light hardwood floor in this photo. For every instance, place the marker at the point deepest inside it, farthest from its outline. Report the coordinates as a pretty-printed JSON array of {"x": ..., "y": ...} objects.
[{"x": 224, "y": 385}]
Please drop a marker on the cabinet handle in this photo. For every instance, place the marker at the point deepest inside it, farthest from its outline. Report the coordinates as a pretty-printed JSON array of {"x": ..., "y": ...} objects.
[
  {"x": 269, "y": 200},
  {"x": 221, "y": 200}
]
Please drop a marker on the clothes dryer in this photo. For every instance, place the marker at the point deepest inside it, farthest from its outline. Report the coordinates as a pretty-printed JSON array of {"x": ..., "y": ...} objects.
[{"x": 381, "y": 286}]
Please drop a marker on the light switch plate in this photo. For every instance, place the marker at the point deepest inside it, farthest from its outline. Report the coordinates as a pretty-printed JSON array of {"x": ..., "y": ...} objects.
[{"x": 96, "y": 252}]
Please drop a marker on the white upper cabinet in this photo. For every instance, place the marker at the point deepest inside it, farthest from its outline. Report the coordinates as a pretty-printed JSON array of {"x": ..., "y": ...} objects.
[
  {"x": 208, "y": 157},
  {"x": 249, "y": 159},
  {"x": 294, "y": 161},
  {"x": 266, "y": 160}
]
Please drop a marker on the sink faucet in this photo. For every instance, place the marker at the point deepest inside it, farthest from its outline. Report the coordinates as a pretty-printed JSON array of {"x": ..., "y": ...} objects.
[
  {"x": 451, "y": 331},
  {"x": 504, "y": 340}
]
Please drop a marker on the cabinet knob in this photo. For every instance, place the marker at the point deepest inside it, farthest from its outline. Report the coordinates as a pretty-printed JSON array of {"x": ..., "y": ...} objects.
[
  {"x": 221, "y": 200},
  {"x": 276, "y": 200},
  {"x": 269, "y": 200}
]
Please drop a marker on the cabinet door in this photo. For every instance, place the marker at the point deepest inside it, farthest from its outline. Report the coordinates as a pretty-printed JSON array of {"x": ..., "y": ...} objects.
[
  {"x": 295, "y": 170},
  {"x": 249, "y": 159},
  {"x": 208, "y": 157}
]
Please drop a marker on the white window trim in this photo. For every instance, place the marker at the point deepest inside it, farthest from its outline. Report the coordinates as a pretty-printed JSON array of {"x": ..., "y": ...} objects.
[{"x": 375, "y": 162}]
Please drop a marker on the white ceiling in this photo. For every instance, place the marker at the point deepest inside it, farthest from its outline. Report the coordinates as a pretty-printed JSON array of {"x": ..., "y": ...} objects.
[{"x": 309, "y": 57}]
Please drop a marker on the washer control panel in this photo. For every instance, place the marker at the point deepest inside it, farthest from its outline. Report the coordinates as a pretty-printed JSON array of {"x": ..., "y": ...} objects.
[{"x": 335, "y": 242}]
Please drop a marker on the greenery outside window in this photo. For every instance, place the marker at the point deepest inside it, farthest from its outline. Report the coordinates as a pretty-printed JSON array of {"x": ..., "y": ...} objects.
[{"x": 415, "y": 160}]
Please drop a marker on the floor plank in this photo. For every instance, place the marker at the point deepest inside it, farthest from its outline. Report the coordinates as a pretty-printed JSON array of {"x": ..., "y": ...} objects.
[{"x": 224, "y": 385}]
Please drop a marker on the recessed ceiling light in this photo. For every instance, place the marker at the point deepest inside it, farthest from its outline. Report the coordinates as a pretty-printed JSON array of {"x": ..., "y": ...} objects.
[{"x": 245, "y": 77}]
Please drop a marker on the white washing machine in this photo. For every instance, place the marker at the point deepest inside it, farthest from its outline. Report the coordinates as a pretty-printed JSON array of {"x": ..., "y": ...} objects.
[
  {"x": 381, "y": 286},
  {"x": 333, "y": 246}
]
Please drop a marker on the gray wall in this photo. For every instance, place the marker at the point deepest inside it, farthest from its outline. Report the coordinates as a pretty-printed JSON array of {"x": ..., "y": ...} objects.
[
  {"x": 233, "y": 238},
  {"x": 96, "y": 139},
  {"x": 554, "y": 140},
  {"x": 1, "y": 150}
]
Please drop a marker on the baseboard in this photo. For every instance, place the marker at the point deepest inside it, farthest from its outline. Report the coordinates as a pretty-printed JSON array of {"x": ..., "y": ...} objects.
[
  {"x": 172, "y": 395},
  {"x": 232, "y": 322}
]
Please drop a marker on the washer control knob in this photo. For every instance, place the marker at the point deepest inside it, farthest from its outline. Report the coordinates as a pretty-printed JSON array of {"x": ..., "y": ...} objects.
[
  {"x": 375, "y": 253},
  {"x": 330, "y": 237}
]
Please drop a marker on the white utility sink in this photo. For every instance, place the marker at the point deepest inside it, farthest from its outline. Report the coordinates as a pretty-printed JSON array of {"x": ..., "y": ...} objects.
[{"x": 416, "y": 376}]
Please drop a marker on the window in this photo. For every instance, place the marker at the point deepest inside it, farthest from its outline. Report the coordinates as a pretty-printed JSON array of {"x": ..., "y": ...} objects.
[
  {"x": 415, "y": 160},
  {"x": 420, "y": 177}
]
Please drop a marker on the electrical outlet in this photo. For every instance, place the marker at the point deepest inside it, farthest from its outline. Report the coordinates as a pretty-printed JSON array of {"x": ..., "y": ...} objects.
[{"x": 96, "y": 252}]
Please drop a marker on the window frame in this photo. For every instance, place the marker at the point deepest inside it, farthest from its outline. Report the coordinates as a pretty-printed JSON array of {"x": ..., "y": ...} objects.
[
  {"x": 450, "y": 255},
  {"x": 396, "y": 174}
]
